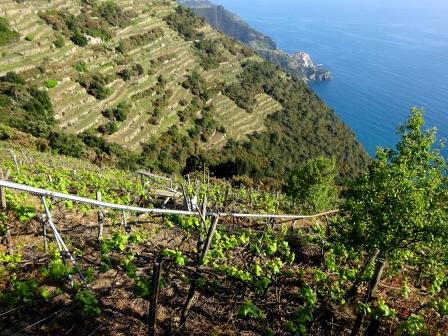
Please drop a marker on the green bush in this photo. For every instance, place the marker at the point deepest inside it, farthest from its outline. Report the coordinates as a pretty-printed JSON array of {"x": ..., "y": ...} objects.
[
  {"x": 109, "y": 128},
  {"x": 185, "y": 23},
  {"x": 208, "y": 53},
  {"x": 79, "y": 39},
  {"x": 51, "y": 83},
  {"x": 114, "y": 14},
  {"x": 59, "y": 42},
  {"x": 312, "y": 187},
  {"x": 95, "y": 85},
  {"x": 80, "y": 66},
  {"x": 117, "y": 113},
  {"x": 29, "y": 38}
]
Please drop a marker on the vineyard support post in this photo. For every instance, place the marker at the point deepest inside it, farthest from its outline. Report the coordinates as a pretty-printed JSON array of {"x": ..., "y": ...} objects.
[
  {"x": 14, "y": 157},
  {"x": 127, "y": 226},
  {"x": 3, "y": 206},
  {"x": 370, "y": 294},
  {"x": 100, "y": 217},
  {"x": 44, "y": 233},
  {"x": 352, "y": 292},
  {"x": 156, "y": 275},
  {"x": 189, "y": 302},
  {"x": 60, "y": 242},
  {"x": 209, "y": 239},
  {"x": 375, "y": 323},
  {"x": 379, "y": 268}
]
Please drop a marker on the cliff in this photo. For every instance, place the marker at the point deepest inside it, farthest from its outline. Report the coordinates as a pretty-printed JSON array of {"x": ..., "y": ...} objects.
[{"x": 299, "y": 64}]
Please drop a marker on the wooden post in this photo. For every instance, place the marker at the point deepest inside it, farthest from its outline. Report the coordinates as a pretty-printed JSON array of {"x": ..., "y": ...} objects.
[
  {"x": 379, "y": 268},
  {"x": 352, "y": 292},
  {"x": 127, "y": 227},
  {"x": 209, "y": 239},
  {"x": 14, "y": 157},
  {"x": 44, "y": 232},
  {"x": 156, "y": 274},
  {"x": 3, "y": 206},
  {"x": 370, "y": 294},
  {"x": 188, "y": 302},
  {"x": 100, "y": 217}
]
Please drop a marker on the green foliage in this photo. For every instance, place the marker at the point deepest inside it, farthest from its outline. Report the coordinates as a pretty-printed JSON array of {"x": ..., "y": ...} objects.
[
  {"x": 59, "y": 42},
  {"x": 95, "y": 85},
  {"x": 114, "y": 14},
  {"x": 209, "y": 53},
  {"x": 176, "y": 255},
  {"x": 79, "y": 39},
  {"x": 88, "y": 303},
  {"x": 108, "y": 128},
  {"x": 414, "y": 325},
  {"x": 57, "y": 269},
  {"x": 305, "y": 126},
  {"x": 66, "y": 144},
  {"x": 135, "y": 41},
  {"x": 80, "y": 66},
  {"x": 24, "y": 106},
  {"x": 303, "y": 316},
  {"x": 29, "y": 38},
  {"x": 130, "y": 72},
  {"x": 249, "y": 310},
  {"x": 51, "y": 83},
  {"x": 185, "y": 23},
  {"x": 312, "y": 187},
  {"x": 117, "y": 113},
  {"x": 94, "y": 20},
  {"x": 399, "y": 204},
  {"x": 197, "y": 85},
  {"x": 7, "y": 35},
  {"x": 21, "y": 292}
]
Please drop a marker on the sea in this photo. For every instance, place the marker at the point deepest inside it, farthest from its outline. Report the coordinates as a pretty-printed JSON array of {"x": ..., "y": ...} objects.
[{"x": 385, "y": 56}]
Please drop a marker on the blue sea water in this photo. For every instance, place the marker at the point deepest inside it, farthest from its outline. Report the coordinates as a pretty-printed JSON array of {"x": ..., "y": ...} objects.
[{"x": 386, "y": 56}]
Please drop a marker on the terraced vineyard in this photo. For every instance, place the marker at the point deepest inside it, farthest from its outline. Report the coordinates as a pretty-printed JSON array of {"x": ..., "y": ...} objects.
[
  {"x": 99, "y": 251},
  {"x": 36, "y": 57}
]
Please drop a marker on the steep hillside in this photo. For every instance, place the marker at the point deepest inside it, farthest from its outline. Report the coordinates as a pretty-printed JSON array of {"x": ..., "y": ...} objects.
[
  {"x": 136, "y": 73},
  {"x": 232, "y": 25}
]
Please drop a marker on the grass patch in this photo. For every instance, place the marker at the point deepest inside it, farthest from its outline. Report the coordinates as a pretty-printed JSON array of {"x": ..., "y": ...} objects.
[{"x": 7, "y": 35}]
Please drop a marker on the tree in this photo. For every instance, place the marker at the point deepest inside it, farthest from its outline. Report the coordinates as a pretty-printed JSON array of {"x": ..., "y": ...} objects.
[
  {"x": 398, "y": 208},
  {"x": 401, "y": 201},
  {"x": 312, "y": 186}
]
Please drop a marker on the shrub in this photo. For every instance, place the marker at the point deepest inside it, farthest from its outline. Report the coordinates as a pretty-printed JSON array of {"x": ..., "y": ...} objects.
[
  {"x": 29, "y": 37},
  {"x": 312, "y": 186},
  {"x": 59, "y": 42},
  {"x": 114, "y": 14},
  {"x": 185, "y": 23},
  {"x": 79, "y": 39},
  {"x": 127, "y": 73},
  {"x": 209, "y": 53},
  {"x": 95, "y": 85},
  {"x": 51, "y": 83},
  {"x": 109, "y": 128},
  {"x": 80, "y": 66},
  {"x": 13, "y": 78},
  {"x": 118, "y": 113}
]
